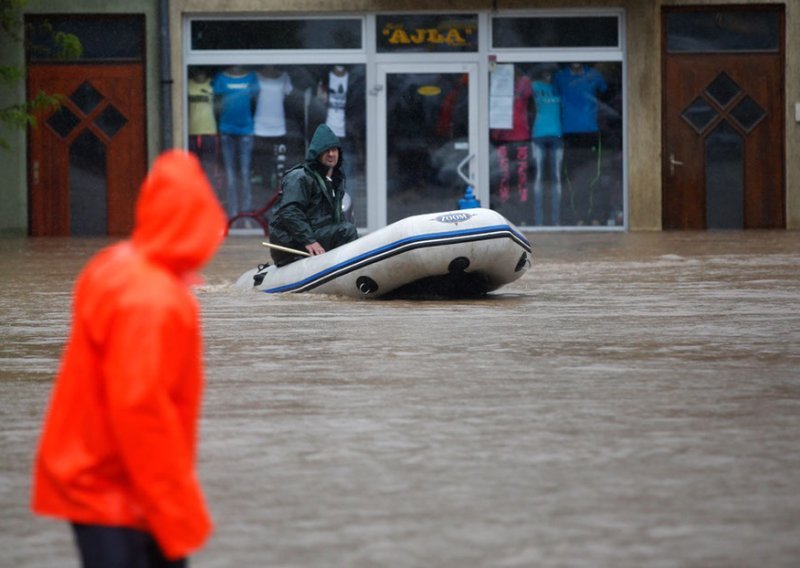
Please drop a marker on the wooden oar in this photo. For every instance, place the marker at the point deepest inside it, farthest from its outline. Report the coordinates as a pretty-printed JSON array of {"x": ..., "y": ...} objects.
[{"x": 286, "y": 249}]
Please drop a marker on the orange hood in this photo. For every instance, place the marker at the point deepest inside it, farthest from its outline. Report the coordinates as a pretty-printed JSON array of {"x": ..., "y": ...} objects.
[{"x": 179, "y": 220}]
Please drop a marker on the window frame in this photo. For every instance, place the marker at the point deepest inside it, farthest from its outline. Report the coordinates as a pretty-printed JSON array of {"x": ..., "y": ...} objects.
[{"x": 563, "y": 55}]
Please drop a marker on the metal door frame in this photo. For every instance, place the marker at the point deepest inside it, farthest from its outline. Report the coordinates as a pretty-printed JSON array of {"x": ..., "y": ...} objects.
[{"x": 378, "y": 204}]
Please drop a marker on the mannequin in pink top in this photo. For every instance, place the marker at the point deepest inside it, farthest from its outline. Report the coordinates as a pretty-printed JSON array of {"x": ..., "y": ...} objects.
[{"x": 513, "y": 144}]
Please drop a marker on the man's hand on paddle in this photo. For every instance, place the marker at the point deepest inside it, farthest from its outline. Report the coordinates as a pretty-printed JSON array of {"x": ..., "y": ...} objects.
[{"x": 315, "y": 248}]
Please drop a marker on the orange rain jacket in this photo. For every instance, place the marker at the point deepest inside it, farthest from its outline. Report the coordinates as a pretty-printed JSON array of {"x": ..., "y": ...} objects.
[{"x": 119, "y": 440}]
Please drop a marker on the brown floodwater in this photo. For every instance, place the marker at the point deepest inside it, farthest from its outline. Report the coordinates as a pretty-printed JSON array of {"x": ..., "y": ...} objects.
[{"x": 633, "y": 400}]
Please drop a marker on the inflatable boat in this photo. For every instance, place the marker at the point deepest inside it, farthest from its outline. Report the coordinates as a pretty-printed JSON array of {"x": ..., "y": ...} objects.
[{"x": 452, "y": 254}]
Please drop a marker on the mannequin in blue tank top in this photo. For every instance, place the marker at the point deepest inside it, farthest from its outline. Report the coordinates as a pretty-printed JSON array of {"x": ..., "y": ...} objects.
[{"x": 548, "y": 146}]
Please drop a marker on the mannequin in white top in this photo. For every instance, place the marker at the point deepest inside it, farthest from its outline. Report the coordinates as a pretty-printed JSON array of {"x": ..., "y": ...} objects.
[
  {"x": 333, "y": 93},
  {"x": 270, "y": 125}
]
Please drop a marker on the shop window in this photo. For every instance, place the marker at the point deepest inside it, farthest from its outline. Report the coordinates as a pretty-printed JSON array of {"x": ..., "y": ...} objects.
[
  {"x": 723, "y": 31},
  {"x": 106, "y": 38},
  {"x": 556, "y": 119},
  {"x": 556, "y": 143},
  {"x": 249, "y": 124},
  {"x": 276, "y": 34},
  {"x": 555, "y": 32}
]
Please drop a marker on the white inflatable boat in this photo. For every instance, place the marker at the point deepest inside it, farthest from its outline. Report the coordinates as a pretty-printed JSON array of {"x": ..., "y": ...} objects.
[{"x": 462, "y": 253}]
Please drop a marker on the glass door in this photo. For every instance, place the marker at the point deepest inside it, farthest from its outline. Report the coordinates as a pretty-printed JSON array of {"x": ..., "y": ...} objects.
[{"x": 428, "y": 147}]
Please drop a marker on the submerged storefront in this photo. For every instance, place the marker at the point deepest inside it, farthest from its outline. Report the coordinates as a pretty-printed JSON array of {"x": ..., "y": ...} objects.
[
  {"x": 561, "y": 114},
  {"x": 527, "y": 108}
]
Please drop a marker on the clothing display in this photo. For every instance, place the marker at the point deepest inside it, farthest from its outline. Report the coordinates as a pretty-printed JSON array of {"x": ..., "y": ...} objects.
[
  {"x": 237, "y": 155},
  {"x": 340, "y": 102},
  {"x": 270, "y": 116},
  {"x": 201, "y": 107},
  {"x": 270, "y": 146},
  {"x": 513, "y": 153},
  {"x": 548, "y": 149},
  {"x": 521, "y": 126},
  {"x": 338, "y": 79},
  {"x": 548, "y": 156},
  {"x": 513, "y": 160},
  {"x": 548, "y": 110},
  {"x": 203, "y": 140},
  {"x": 237, "y": 90},
  {"x": 579, "y": 86}
]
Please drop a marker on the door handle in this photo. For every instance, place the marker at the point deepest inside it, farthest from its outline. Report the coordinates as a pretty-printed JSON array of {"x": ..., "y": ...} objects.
[
  {"x": 672, "y": 163},
  {"x": 460, "y": 167}
]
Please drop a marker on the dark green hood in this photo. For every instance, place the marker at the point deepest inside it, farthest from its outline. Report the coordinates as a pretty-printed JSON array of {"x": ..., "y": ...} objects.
[{"x": 323, "y": 139}]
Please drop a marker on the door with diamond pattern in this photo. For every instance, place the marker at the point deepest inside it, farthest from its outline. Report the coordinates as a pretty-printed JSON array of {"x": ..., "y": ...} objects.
[
  {"x": 87, "y": 158},
  {"x": 723, "y": 157}
]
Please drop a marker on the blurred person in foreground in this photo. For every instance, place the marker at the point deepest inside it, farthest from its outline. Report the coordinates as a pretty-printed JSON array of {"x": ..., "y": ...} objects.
[{"x": 117, "y": 454}]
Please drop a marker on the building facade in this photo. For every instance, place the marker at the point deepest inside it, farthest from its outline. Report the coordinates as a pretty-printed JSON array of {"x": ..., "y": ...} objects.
[{"x": 593, "y": 115}]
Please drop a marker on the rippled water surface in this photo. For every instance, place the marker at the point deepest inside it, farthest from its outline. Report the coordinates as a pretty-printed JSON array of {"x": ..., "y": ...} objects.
[{"x": 634, "y": 400}]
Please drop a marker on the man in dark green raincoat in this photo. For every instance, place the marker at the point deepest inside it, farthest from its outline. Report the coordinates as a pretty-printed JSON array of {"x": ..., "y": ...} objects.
[{"x": 308, "y": 215}]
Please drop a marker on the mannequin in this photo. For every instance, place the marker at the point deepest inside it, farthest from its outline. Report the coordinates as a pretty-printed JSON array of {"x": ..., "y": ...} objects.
[
  {"x": 512, "y": 143},
  {"x": 203, "y": 139},
  {"x": 236, "y": 90},
  {"x": 579, "y": 86},
  {"x": 548, "y": 147},
  {"x": 270, "y": 125},
  {"x": 337, "y": 94}
]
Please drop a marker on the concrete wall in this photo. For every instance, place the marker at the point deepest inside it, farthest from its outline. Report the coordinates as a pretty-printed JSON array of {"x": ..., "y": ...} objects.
[
  {"x": 644, "y": 115},
  {"x": 792, "y": 125},
  {"x": 13, "y": 197}
]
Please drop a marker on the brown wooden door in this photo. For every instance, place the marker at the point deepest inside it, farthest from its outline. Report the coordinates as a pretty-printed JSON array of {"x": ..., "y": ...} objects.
[
  {"x": 88, "y": 158},
  {"x": 723, "y": 157}
]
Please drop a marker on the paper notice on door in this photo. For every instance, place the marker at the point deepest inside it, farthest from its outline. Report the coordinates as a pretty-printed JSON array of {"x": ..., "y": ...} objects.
[{"x": 501, "y": 96}]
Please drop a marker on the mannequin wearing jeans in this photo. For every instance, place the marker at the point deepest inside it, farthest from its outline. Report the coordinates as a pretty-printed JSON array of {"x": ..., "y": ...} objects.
[
  {"x": 512, "y": 143},
  {"x": 579, "y": 86},
  {"x": 548, "y": 147},
  {"x": 236, "y": 90}
]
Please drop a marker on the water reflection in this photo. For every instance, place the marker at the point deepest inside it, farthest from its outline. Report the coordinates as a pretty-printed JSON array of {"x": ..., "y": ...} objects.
[{"x": 634, "y": 399}]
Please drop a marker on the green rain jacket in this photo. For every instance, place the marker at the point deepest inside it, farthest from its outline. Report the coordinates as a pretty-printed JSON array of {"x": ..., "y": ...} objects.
[{"x": 306, "y": 210}]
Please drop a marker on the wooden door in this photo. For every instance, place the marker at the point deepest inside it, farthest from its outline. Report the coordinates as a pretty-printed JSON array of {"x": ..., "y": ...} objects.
[
  {"x": 88, "y": 158},
  {"x": 723, "y": 140}
]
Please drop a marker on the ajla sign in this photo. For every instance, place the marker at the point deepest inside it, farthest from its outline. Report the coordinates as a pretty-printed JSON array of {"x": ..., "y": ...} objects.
[{"x": 429, "y": 33}]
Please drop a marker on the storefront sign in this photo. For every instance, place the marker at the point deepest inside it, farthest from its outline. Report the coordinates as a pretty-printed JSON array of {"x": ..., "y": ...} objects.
[{"x": 446, "y": 33}]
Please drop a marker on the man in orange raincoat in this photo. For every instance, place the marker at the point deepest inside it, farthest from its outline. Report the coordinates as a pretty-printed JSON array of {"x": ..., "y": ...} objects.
[{"x": 117, "y": 453}]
